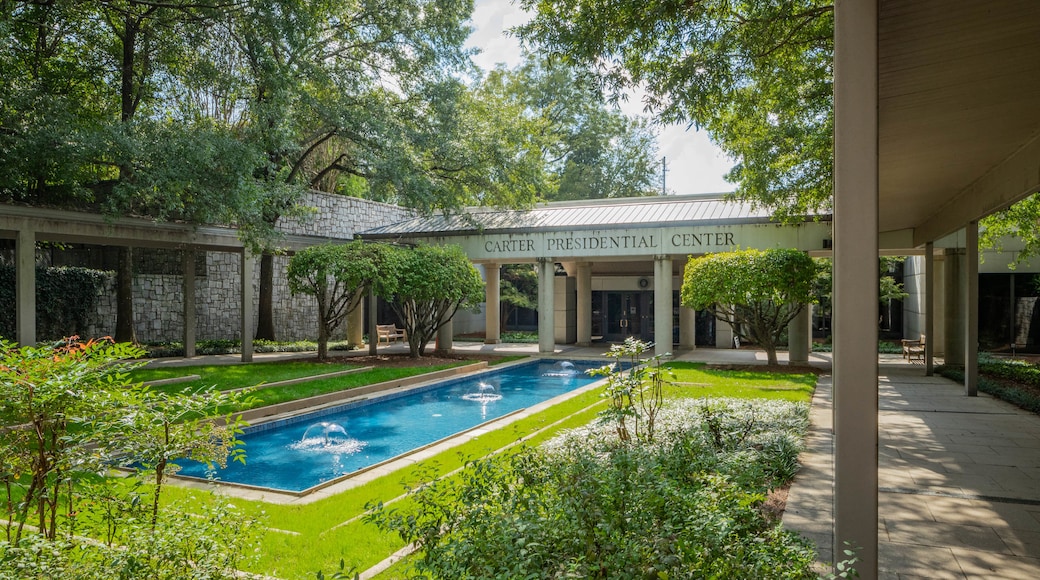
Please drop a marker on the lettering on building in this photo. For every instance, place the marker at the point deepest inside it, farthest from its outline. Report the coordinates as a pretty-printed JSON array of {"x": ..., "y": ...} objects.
[
  {"x": 703, "y": 239},
  {"x": 501, "y": 246},
  {"x": 626, "y": 242}
]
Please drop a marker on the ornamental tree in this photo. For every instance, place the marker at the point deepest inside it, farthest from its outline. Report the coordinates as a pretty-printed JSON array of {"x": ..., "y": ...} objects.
[
  {"x": 759, "y": 291},
  {"x": 69, "y": 412},
  {"x": 338, "y": 276},
  {"x": 433, "y": 282}
]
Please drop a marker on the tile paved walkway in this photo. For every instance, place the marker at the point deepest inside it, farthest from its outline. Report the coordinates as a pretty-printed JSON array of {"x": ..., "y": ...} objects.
[{"x": 959, "y": 481}]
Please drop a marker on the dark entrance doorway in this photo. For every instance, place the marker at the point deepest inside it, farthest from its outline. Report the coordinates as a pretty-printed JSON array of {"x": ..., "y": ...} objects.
[
  {"x": 627, "y": 314},
  {"x": 617, "y": 315}
]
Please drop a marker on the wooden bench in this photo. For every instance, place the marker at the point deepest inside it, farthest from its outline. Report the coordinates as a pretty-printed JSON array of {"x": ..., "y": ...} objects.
[
  {"x": 389, "y": 333},
  {"x": 914, "y": 348}
]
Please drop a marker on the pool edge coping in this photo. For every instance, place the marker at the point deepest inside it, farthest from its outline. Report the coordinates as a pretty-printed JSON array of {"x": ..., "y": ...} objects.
[{"x": 363, "y": 476}]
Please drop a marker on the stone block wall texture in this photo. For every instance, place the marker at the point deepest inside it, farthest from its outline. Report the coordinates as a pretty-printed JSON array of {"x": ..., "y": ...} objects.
[{"x": 159, "y": 299}]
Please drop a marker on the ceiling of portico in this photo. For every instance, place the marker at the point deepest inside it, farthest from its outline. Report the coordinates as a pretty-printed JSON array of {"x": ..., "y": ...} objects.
[{"x": 959, "y": 110}]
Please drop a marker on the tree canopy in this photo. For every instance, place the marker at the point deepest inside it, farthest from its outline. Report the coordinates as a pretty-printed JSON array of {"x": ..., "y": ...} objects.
[
  {"x": 756, "y": 76},
  {"x": 432, "y": 283},
  {"x": 759, "y": 290},
  {"x": 589, "y": 149},
  {"x": 338, "y": 276},
  {"x": 1020, "y": 221}
]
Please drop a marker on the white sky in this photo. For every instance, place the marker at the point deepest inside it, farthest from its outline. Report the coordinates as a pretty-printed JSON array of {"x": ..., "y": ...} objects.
[{"x": 695, "y": 165}]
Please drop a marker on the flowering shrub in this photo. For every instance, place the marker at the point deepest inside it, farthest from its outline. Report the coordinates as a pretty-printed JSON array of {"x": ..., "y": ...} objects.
[{"x": 591, "y": 505}]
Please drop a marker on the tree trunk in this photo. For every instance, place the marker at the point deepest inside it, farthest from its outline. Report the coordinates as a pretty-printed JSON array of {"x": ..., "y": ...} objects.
[
  {"x": 265, "y": 317},
  {"x": 771, "y": 354},
  {"x": 323, "y": 341},
  {"x": 125, "y": 331}
]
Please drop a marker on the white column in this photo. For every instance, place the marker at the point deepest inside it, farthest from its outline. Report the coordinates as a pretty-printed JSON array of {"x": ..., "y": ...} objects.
[
  {"x": 687, "y": 328},
  {"x": 188, "y": 280},
  {"x": 492, "y": 304},
  {"x": 663, "y": 328},
  {"x": 929, "y": 309},
  {"x": 356, "y": 323},
  {"x": 971, "y": 309},
  {"x": 584, "y": 290},
  {"x": 687, "y": 318},
  {"x": 445, "y": 337},
  {"x": 954, "y": 315},
  {"x": 371, "y": 304},
  {"x": 546, "y": 317},
  {"x": 248, "y": 265},
  {"x": 799, "y": 337},
  {"x": 724, "y": 333},
  {"x": 856, "y": 281},
  {"x": 25, "y": 287}
]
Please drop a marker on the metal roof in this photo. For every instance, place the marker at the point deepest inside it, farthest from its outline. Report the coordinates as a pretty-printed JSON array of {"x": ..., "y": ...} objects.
[{"x": 697, "y": 210}]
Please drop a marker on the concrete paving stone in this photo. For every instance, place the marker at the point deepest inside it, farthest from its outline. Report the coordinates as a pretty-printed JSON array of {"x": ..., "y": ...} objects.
[
  {"x": 987, "y": 565},
  {"x": 1021, "y": 542},
  {"x": 966, "y": 448},
  {"x": 1023, "y": 455},
  {"x": 997, "y": 515},
  {"x": 916, "y": 559},
  {"x": 925, "y": 532},
  {"x": 904, "y": 505}
]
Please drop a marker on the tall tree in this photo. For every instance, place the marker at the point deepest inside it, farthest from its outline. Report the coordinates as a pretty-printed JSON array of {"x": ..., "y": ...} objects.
[
  {"x": 590, "y": 149},
  {"x": 92, "y": 125},
  {"x": 360, "y": 97},
  {"x": 755, "y": 75}
]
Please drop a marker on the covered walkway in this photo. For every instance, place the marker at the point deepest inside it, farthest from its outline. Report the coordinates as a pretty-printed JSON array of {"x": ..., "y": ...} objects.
[{"x": 959, "y": 480}]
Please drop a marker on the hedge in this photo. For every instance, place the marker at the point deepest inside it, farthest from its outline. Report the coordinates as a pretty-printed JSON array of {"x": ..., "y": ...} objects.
[{"x": 66, "y": 300}]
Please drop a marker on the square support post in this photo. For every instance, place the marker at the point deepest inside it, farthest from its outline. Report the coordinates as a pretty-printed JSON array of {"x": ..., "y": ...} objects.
[
  {"x": 492, "y": 303},
  {"x": 584, "y": 314},
  {"x": 546, "y": 304},
  {"x": 663, "y": 328},
  {"x": 929, "y": 309},
  {"x": 25, "y": 287},
  {"x": 371, "y": 304},
  {"x": 856, "y": 281},
  {"x": 971, "y": 309}
]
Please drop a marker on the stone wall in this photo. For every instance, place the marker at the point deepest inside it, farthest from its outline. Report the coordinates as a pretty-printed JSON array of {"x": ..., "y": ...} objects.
[{"x": 159, "y": 299}]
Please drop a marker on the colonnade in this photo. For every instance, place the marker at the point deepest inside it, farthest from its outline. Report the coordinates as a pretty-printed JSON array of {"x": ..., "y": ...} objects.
[{"x": 549, "y": 310}]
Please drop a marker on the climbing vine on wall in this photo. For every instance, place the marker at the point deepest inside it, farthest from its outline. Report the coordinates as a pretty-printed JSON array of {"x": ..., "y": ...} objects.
[{"x": 66, "y": 300}]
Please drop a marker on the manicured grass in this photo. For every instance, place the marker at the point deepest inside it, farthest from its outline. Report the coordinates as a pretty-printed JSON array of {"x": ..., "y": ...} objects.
[
  {"x": 314, "y": 546},
  {"x": 257, "y": 374},
  {"x": 226, "y": 377},
  {"x": 264, "y": 396},
  {"x": 694, "y": 380}
]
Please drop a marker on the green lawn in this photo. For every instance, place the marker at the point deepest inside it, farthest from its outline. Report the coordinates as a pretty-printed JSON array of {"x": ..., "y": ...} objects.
[
  {"x": 227, "y": 377},
  {"x": 694, "y": 380},
  {"x": 312, "y": 544},
  {"x": 236, "y": 376},
  {"x": 304, "y": 538}
]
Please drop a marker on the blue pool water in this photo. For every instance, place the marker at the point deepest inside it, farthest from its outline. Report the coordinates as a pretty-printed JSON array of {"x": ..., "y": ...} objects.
[{"x": 301, "y": 452}]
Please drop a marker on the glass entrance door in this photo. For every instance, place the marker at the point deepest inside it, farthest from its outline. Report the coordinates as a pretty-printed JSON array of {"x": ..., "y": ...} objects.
[{"x": 628, "y": 314}]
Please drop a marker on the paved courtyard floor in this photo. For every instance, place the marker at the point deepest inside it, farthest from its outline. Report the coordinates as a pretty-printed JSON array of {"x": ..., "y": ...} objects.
[{"x": 959, "y": 481}]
